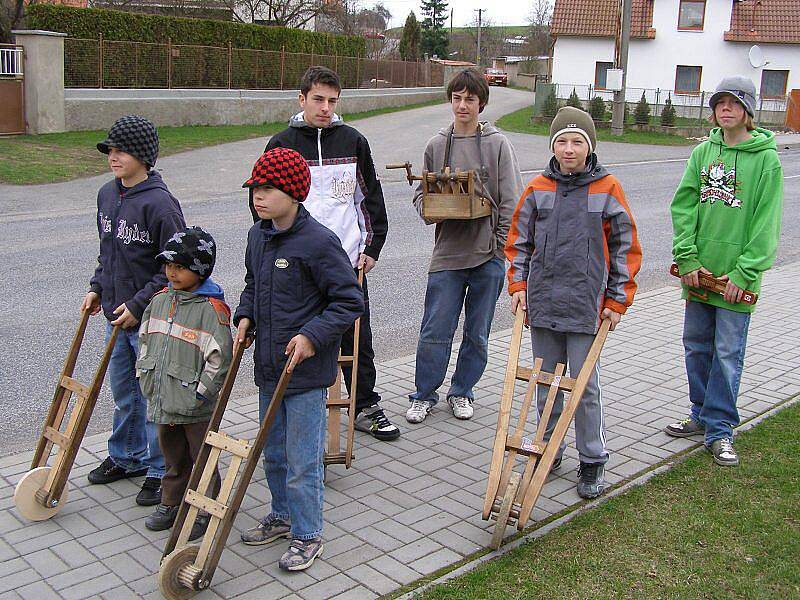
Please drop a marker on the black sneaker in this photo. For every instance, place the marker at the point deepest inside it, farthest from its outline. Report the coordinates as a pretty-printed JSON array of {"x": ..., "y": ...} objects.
[
  {"x": 150, "y": 494},
  {"x": 685, "y": 428},
  {"x": 199, "y": 527},
  {"x": 590, "y": 480},
  {"x": 556, "y": 464},
  {"x": 163, "y": 518},
  {"x": 109, "y": 472},
  {"x": 377, "y": 424}
]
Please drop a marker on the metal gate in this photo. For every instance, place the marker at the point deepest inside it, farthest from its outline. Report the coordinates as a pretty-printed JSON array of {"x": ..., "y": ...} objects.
[{"x": 12, "y": 89}]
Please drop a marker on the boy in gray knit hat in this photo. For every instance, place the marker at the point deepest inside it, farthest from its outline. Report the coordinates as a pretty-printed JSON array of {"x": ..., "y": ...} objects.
[{"x": 573, "y": 255}]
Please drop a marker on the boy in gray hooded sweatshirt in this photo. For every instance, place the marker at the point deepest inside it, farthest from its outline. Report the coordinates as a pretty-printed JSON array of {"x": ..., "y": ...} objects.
[{"x": 467, "y": 264}]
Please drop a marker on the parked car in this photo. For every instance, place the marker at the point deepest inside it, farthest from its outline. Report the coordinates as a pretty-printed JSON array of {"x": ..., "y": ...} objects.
[{"x": 496, "y": 77}]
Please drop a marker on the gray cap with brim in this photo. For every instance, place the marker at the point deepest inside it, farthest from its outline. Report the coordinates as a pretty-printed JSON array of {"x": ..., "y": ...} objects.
[{"x": 740, "y": 88}]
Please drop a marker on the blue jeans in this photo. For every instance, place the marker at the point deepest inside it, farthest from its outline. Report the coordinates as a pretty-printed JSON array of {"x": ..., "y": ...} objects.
[
  {"x": 477, "y": 290},
  {"x": 293, "y": 459},
  {"x": 714, "y": 341},
  {"x": 133, "y": 444}
]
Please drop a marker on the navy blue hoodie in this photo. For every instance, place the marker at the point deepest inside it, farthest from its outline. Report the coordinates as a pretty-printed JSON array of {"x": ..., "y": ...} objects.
[
  {"x": 134, "y": 225},
  {"x": 298, "y": 280}
]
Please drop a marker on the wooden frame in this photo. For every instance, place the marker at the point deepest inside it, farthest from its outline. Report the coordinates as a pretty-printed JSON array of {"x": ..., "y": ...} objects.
[
  {"x": 702, "y": 19},
  {"x": 42, "y": 492},
  {"x": 187, "y": 569},
  {"x": 597, "y": 64},
  {"x": 335, "y": 403},
  {"x": 785, "y": 83},
  {"x": 699, "y": 80},
  {"x": 510, "y": 495}
]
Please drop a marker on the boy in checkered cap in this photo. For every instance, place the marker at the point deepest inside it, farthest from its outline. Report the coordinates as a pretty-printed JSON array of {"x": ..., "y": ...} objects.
[
  {"x": 184, "y": 355},
  {"x": 301, "y": 294},
  {"x": 136, "y": 215}
]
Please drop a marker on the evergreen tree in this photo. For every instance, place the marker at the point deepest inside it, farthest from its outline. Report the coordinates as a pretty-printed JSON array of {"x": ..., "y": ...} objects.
[
  {"x": 434, "y": 36},
  {"x": 641, "y": 114},
  {"x": 597, "y": 108},
  {"x": 409, "y": 43},
  {"x": 668, "y": 114},
  {"x": 550, "y": 104},
  {"x": 574, "y": 101}
]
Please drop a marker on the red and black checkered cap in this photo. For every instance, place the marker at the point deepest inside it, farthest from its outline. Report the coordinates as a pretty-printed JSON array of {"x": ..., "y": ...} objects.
[{"x": 284, "y": 169}]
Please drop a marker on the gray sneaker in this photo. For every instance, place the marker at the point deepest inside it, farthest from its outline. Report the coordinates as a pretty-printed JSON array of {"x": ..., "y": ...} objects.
[
  {"x": 685, "y": 428},
  {"x": 590, "y": 480},
  {"x": 268, "y": 530},
  {"x": 723, "y": 452},
  {"x": 301, "y": 554}
]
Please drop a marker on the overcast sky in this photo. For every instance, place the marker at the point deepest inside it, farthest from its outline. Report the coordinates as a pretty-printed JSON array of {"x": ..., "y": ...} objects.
[{"x": 509, "y": 12}]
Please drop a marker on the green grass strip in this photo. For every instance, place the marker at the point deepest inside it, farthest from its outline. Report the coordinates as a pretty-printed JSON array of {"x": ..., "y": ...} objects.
[
  {"x": 520, "y": 122},
  {"x": 55, "y": 157},
  {"x": 695, "y": 531}
]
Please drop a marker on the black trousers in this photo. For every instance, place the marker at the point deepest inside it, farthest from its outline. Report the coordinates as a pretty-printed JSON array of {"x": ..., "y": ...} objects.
[{"x": 366, "y": 396}]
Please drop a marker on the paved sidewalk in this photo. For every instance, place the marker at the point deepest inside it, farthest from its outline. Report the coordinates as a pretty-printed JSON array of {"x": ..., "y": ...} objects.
[{"x": 405, "y": 509}]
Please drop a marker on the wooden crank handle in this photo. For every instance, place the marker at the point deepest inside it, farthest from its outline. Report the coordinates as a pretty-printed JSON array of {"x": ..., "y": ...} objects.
[{"x": 402, "y": 165}]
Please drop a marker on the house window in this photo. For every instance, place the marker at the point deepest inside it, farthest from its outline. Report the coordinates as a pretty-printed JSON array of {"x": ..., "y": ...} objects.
[
  {"x": 691, "y": 15},
  {"x": 601, "y": 74},
  {"x": 687, "y": 79},
  {"x": 773, "y": 83}
]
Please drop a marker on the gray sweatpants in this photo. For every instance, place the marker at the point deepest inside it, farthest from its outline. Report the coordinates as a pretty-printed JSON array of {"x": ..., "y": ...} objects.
[{"x": 571, "y": 349}]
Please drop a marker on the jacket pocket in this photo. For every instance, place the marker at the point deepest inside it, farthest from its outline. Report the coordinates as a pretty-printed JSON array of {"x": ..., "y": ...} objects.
[
  {"x": 146, "y": 367},
  {"x": 180, "y": 396}
]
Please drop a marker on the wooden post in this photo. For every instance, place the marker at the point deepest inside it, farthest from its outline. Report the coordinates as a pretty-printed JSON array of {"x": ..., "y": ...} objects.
[
  {"x": 283, "y": 59},
  {"x": 100, "y": 65},
  {"x": 230, "y": 63},
  {"x": 377, "y": 72},
  {"x": 391, "y": 73},
  {"x": 169, "y": 62},
  {"x": 358, "y": 71}
]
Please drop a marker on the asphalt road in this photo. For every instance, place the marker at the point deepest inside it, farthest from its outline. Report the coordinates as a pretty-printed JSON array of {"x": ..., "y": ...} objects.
[{"x": 49, "y": 247}]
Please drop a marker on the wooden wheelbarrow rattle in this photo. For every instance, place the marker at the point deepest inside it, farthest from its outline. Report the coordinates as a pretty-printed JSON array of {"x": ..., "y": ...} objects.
[
  {"x": 511, "y": 495},
  {"x": 42, "y": 492}
]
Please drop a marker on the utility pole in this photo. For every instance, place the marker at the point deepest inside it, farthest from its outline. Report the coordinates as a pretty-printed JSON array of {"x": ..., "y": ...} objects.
[
  {"x": 480, "y": 13},
  {"x": 618, "y": 114}
]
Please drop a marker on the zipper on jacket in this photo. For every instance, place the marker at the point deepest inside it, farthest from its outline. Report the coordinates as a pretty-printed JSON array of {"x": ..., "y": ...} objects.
[
  {"x": 319, "y": 146},
  {"x": 160, "y": 372}
]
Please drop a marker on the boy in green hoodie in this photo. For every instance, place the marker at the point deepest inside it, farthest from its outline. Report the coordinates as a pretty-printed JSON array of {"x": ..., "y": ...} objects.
[{"x": 726, "y": 218}]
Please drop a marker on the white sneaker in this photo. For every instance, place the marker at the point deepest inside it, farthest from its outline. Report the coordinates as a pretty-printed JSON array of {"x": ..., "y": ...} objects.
[
  {"x": 418, "y": 411},
  {"x": 462, "y": 407}
]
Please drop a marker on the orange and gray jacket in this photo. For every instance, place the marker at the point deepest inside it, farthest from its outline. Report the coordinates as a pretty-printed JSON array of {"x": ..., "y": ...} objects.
[
  {"x": 185, "y": 348},
  {"x": 573, "y": 245}
]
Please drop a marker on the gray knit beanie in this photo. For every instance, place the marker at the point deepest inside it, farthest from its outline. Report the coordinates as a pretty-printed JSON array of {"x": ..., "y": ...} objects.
[{"x": 573, "y": 120}]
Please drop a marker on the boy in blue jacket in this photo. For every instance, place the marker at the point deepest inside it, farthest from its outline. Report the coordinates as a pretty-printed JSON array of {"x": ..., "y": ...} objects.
[
  {"x": 301, "y": 294},
  {"x": 136, "y": 215}
]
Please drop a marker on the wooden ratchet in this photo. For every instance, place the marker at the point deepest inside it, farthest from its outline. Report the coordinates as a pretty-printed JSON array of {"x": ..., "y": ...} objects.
[{"x": 712, "y": 284}]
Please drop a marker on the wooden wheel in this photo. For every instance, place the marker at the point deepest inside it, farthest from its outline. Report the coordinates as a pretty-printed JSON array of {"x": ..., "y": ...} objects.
[
  {"x": 25, "y": 496},
  {"x": 505, "y": 511},
  {"x": 169, "y": 580}
]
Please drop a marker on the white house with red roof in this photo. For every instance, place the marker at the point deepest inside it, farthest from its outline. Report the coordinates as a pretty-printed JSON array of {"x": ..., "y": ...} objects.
[{"x": 681, "y": 47}]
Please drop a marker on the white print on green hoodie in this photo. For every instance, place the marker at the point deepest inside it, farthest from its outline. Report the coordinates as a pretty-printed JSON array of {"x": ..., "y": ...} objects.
[
  {"x": 726, "y": 212},
  {"x": 719, "y": 183}
]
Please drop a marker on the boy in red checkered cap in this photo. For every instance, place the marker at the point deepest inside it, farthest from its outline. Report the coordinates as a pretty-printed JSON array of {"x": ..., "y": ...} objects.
[{"x": 301, "y": 294}]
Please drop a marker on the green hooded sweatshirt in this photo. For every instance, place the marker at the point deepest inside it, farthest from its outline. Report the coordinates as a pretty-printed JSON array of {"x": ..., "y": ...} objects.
[{"x": 726, "y": 213}]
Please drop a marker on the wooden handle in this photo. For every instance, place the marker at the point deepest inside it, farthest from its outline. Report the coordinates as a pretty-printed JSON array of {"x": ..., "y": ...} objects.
[
  {"x": 398, "y": 165},
  {"x": 713, "y": 284}
]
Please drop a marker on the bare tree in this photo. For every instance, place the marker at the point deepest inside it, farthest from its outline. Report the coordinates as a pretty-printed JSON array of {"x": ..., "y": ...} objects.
[{"x": 539, "y": 27}]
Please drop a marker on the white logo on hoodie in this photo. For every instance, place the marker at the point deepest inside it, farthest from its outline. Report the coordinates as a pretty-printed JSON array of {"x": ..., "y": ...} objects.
[{"x": 132, "y": 234}]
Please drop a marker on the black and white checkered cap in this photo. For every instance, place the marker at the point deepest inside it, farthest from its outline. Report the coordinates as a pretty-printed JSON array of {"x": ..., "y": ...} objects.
[{"x": 135, "y": 135}]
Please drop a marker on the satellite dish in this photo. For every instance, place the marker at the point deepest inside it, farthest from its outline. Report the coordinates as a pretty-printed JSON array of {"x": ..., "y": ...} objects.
[{"x": 756, "y": 56}]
